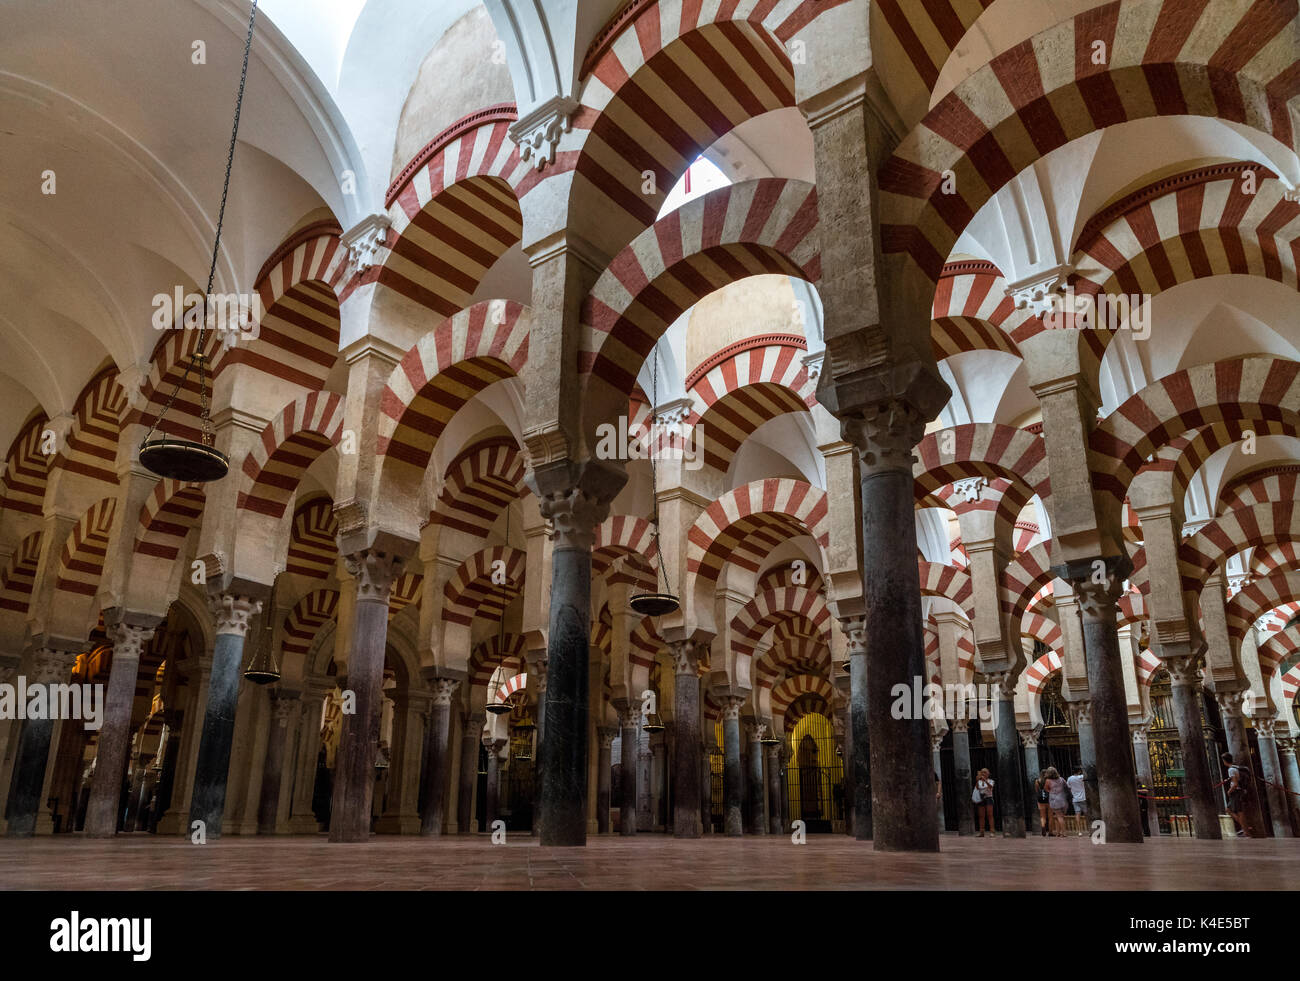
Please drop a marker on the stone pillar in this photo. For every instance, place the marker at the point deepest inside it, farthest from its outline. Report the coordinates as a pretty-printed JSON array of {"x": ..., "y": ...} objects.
[
  {"x": 208, "y": 800},
  {"x": 902, "y": 790},
  {"x": 302, "y": 819},
  {"x": 1234, "y": 727},
  {"x": 706, "y": 787},
  {"x": 842, "y": 724},
  {"x": 1142, "y": 756},
  {"x": 733, "y": 820},
  {"x": 630, "y": 721},
  {"x": 1081, "y": 713},
  {"x": 658, "y": 779},
  {"x": 687, "y": 822},
  {"x": 375, "y": 570},
  {"x": 493, "y": 779},
  {"x": 574, "y": 515},
  {"x": 775, "y": 810},
  {"x": 26, "y": 791},
  {"x": 537, "y": 678},
  {"x": 273, "y": 766},
  {"x": 644, "y": 758},
  {"x": 1029, "y": 740},
  {"x": 1111, "y": 745},
  {"x": 857, "y": 736},
  {"x": 1269, "y": 761},
  {"x": 1198, "y": 785},
  {"x": 1286, "y": 750},
  {"x": 437, "y": 768},
  {"x": 604, "y": 768},
  {"x": 936, "y": 740},
  {"x": 115, "y": 733},
  {"x": 964, "y": 784},
  {"x": 471, "y": 734},
  {"x": 1011, "y": 787},
  {"x": 756, "y": 785}
]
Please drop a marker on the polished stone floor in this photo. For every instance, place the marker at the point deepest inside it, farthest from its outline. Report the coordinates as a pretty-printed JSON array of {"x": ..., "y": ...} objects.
[{"x": 646, "y": 862}]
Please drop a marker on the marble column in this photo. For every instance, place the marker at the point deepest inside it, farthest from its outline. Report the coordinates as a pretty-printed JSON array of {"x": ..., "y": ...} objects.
[
  {"x": 302, "y": 819},
  {"x": 574, "y": 515},
  {"x": 1081, "y": 713},
  {"x": 268, "y": 805},
  {"x": 49, "y": 667},
  {"x": 471, "y": 735},
  {"x": 658, "y": 780},
  {"x": 687, "y": 822},
  {"x": 604, "y": 770},
  {"x": 756, "y": 785},
  {"x": 842, "y": 723},
  {"x": 1198, "y": 785},
  {"x": 1286, "y": 750},
  {"x": 437, "y": 769},
  {"x": 493, "y": 791},
  {"x": 630, "y": 722},
  {"x": 1033, "y": 765},
  {"x": 902, "y": 790},
  {"x": 962, "y": 779},
  {"x": 936, "y": 740},
  {"x": 208, "y": 799},
  {"x": 375, "y": 570},
  {"x": 1271, "y": 764},
  {"x": 115, "y": 733},
  {"x": 776, "y": 816},
  {"x": 175, "y": 820},
  {"x": 1111, "y": 744},
  {"x": 733, "y": 819},
  {"x": 1234, "y": 729},
  {"x": 644, "y": 759},
  {"x": 857, "y": 735},
  {"x": 706, "y": 787},
  {"x": 1010, "y": 794},
  {"x": 1142, "y": 756}
]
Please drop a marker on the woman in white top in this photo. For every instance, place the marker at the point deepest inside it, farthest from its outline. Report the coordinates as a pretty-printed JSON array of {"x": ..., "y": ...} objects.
[{"x": 984, "y": 809}]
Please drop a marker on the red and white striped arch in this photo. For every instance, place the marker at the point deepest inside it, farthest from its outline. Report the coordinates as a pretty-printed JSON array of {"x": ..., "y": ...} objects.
[
  {"x": 1233, "y": 62},
  {"x": 1247, "y": 387},
  {"x": 506, "y": 651},
  {"x": 1278, "y": 557},
  {"x": 478, "y": 486},
  {"x": 752, "y": 622},
  {"x": 1257, "y": 598},
  {"x": 407, "y": 591},
  {"x": 746, "y": 523},
  {"x": 26, "y": 472},
  {"x": 972, "y": 311},
  {"x": 1036, "y": 674},
  {"x": 1042, "y": 629},
  {"x": 644, "y": 648},
  {"x": 1024, "y": 576},
  {"x": 305, "y": 619},
  {"x": 796, "y": 648},
  {"x": 447, "y": 367},
  {"x": 1228, "y": 534},
  {"x": 1280, "y": 483},
  {"x": 167, "y": 369},
  {"x": 19, "y": 577},
  {"x": 631, "y": 539},
  {"x": 1276, "y": 648},
  {"x": 753, "y": 228},
  {"x": 91, "y": 446},
  {"x": 81, "y": 562},
  {"x": 950, "y": 582},
  {"x": 743, "y": 386},
  {"x": 313, "y": 548},
  {"x": 788, "y": 691},
  {"x": 169, "y": 513},
  {"x": 1290, "y": 685},
  {"x": 470, "y": 592},
  {"x": 1146, "y": 666},
  {"x": 290, "y": 443}
]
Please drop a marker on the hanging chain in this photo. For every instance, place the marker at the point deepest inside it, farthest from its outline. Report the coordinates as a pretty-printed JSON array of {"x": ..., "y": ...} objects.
[
  {"x": 199, "y": 356},
  {"x": 654, "y": 483}
]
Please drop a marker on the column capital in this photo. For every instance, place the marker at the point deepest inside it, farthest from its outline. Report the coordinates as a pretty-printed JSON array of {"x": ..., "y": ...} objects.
[
  {"x": 936, "y": 738},
  {"x": 606, "y": 735},
  {"x": 1004, "y": 681},
  {"x": 1098, "y": 583},
  {"x": 855, "y": 633},
  {"x": 232, "y": 612},
  {"x": 1029, "y": 737},
  {"x": 959, "y": 725},
  {"x": 282, "y": 706},
  {"x": 1266, "y": 728},
  {"x": 1080, "y": 711},
  {"x": 444, "y": 689},
  {"x": 1139, "y": 731},
  {"x": 731, "y": 706},
  {"x": 375, "y": 571},
  {"x": 1184, "y": 670},
  {"x": 885, "y": 435},
  {"x": 629, "y": 716},
  {"x": 573, "y": 514},
  {"x": 687, "y": 656},
  {"x": 50, "y": 665},
  {"x": 1229, "y": 703},
  {"x": 1286, "y": 745},
  {"x": 128, "y": 640}
]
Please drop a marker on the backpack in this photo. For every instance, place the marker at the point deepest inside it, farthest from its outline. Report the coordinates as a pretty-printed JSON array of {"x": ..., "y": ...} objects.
[{"x": 975, "y": 796}]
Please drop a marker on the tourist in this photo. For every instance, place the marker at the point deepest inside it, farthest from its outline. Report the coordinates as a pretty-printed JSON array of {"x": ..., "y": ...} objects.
[
  {"x": 1044, "y": 811},
  {"x": 1079, "y": 793},
  {"x": 1056, "y": 800},
  {"x": 984, "y": 803},
  {"x": 1238, "y": 792}
]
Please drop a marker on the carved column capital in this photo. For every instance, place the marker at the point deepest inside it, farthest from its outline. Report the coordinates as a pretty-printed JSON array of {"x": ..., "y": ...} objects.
[
  {"x": 1266, "y": 728},
  {"x": 375, "y": 571},
  {"x": 1004, "y": 682},
  {"x": 731, "y": 706},
  {"x": 936, "y": 738},
  {"x": 232, "y": 613},
  {"x": 687, "y": 657},
  {"x": 959, "y": 725},
  {"x": 629, "y": 716},
  {"x": 885, "y": 435},
  {"x": 1286, "y": 745},
  {"x": 855, "y": 633},
  {"x": 128, "y": 640},
  {"x": 1080, "y": 711},
  {"x": 1229, "y": 703},
  {"x": 281, "y": 707},
  {"x": 1140, "y": 731},
  {"x": 1029, "y": 737},
  {"x": 1098, "y": 583},
  {"x": 50, "y": 666},
  {"x": 1184, "y": 670},
  {"x": 443, "y": 689},
  {"x": 574, "y": 515},
  {"x": 606, "y": 735}
]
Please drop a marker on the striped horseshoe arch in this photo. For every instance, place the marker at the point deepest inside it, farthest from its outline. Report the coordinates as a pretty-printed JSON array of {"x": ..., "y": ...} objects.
[
  {"x": 748, "y": 229},
  {"x": 313, "y": 547},
  {"x": 1280, "y": 483},
  {"x": 479, "y": 485},
  {"x": 1278, "y": 557},
  {"x": 22, "y": 488},
  {"x": 972, "y": 311},
  {"x": 506, "y": 652},
  {"x": 305, "y": 619},
  {"x": 1025, "y": 575},
  {"x": 1256, "y": 599},
  {"x": 169, "y": 513},
  {"x": 1277, "y": 649},
  {"x": 630, "y": 539},
  {"x": 949, "y": 581},
  {"x": 91, "y": 445},
  {"x": 1165, "y": 59},
  {"x": 474, "y": 589},
  {"x": 1228, "y": 534},
  {"x": 290, "y": 443},
  {"x": 773, "y": 606},
  {"x": 791, "y": 690},
  {"x": 19, "y": 579}
]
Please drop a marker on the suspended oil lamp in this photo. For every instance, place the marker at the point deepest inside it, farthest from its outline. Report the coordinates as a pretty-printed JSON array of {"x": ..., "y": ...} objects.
[
  {"x": 262, "y": 670},
  {"x": 767, "y": 737},
  {"x": 661, "y": 603},
  {"x": 653, "y": 723},
  {"x": 494, "y": 704},
  {"x": 187, "y": 460}
]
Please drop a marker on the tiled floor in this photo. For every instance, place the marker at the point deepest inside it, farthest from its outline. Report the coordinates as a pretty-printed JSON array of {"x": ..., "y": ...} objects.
[{"x": 647, "y": 862}]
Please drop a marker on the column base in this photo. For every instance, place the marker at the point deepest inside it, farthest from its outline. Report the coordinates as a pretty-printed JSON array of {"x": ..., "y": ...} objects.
[
  {"x": 304, "y": 824},
  {"x": 398, "y": 824}
]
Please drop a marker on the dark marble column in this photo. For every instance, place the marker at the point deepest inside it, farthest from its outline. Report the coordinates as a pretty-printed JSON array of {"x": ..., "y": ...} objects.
[
  {"x": 493, "y": 791},
  {"x": 374, "y": 570},
  {"x": 658, "y": 780},
  {"x": 1142, "y": 757},
  {"x": 604, "y": 769},
  {"x": 644, "y": 757},
  {"x": 706, "y": 787},
  {"x": 1269, "y": 761},
  {"x": 776, "y": 817},
  {"x": 756, "y": 784},
  {"x": 471, "y": 740},
  {"x": 687, "y": 822},
  {"x": 574, "y": 515},
  {"x": 1286, "y": 749},
  {"x": 857, "y": 736},
  {"x": 902, "y": 790},
  {"x": 437, "y": 769},
  {"x": 537, "y": 679},
  {"x": 630, "y": 720},
  {"x": 1116, "y": 778},
  {"x": 1029, "y": 740},
  {"x": 1010, "y": 787},
  {"x": 1234, "y": 730},
  {"x": 1081, "y": 712},
  {"x": 733, "y": 818},
  {"x": 115, "y": 733},
  {"x": 208, "y": 800},
  {"x": 842, "y": 724},
  {"x": 268, "y": 807},
  {"x": 1198, "y": 783},
  {"x": 962, "y": 776},
  {"x": 936, "y": 740},
  {"x": 48, "y": 667}
]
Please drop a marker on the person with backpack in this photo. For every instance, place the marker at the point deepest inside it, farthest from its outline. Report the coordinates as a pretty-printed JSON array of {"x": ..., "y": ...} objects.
[
  {"x": 982, "y": 797},
  {"x": 1238, "y": 792}
]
